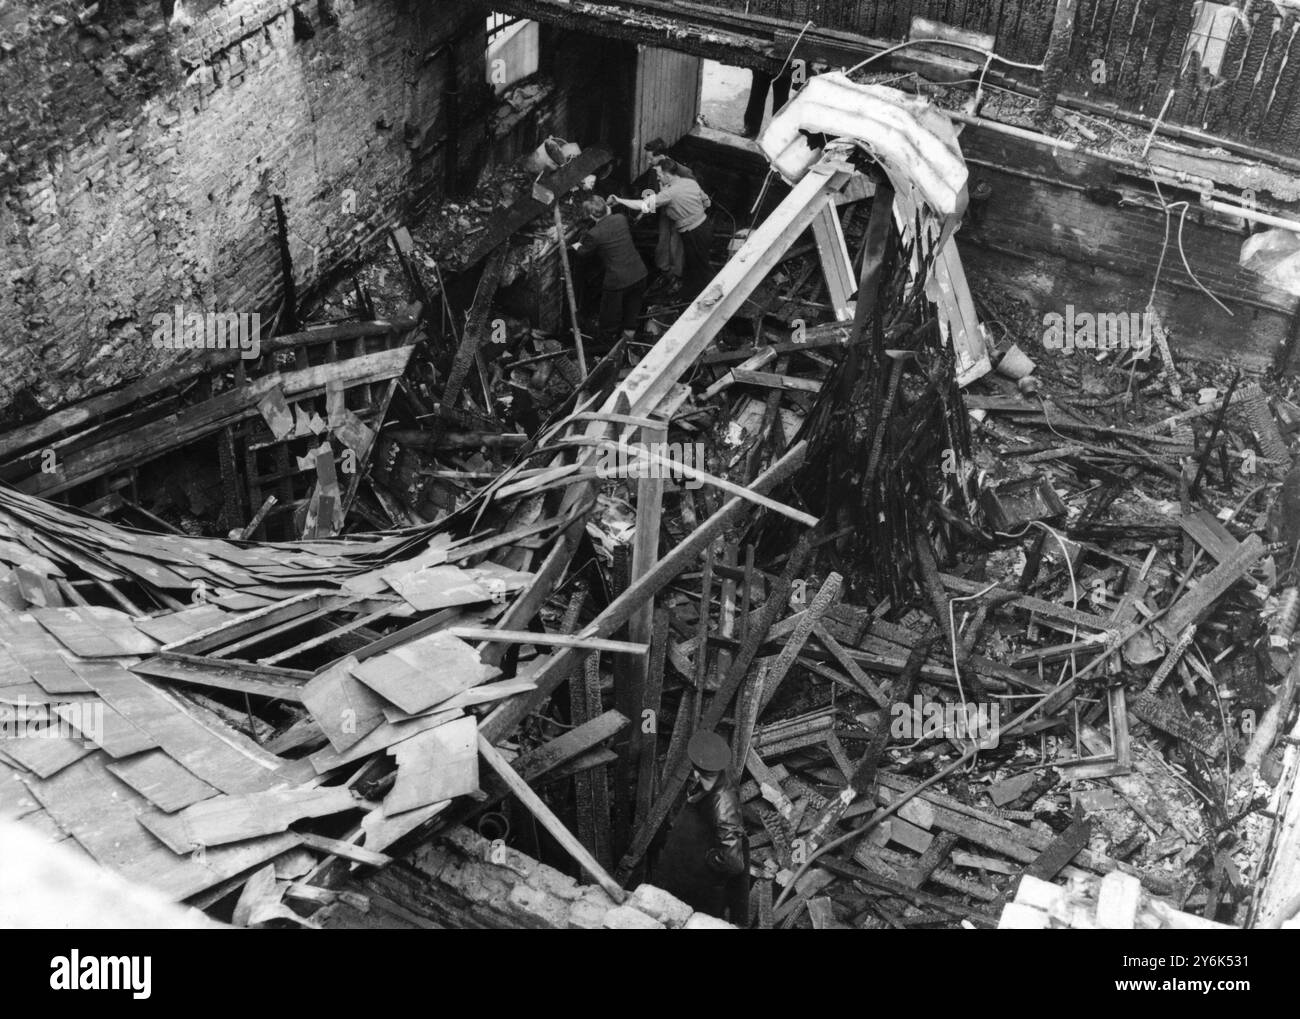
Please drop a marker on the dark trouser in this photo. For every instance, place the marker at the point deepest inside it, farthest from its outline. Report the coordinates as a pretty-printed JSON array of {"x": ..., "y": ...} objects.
[
  {"x": 696, "y": 244},
  {"x": 780, "y": 86},
  {"x": 619, "y": 309},
  {"x": 681, "y": 869}
]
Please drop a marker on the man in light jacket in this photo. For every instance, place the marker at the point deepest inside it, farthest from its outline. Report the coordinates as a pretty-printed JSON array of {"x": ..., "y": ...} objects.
[{"x": 686, "y": 205}]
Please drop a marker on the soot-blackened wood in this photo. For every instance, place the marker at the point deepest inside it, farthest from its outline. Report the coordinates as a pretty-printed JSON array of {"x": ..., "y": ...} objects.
[
  {"x": 289, "y": 321},
  {"x": 475, "y": 325},
  {"x": 503, "y": 224}
]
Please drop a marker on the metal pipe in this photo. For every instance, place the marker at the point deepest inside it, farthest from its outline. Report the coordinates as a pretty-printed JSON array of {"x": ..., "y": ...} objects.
[
  {"x": 1252, "y": 215},
  {"x": 1205, "y": 185},
  {"x": 493, "y": 826}
]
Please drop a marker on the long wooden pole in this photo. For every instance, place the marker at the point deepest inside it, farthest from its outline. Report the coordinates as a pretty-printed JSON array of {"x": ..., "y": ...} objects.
[
  {"x": 568, "y": 289},
  {"x": 550, "y": 822}
]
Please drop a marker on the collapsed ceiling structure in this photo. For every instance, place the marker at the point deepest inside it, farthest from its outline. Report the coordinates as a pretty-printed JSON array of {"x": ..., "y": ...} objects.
[{"x": 991, "y": 645}]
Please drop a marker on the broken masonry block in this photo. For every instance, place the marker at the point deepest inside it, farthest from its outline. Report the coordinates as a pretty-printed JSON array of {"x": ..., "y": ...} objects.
[
  {"x": 588, "y": 912},
  {"x": 625, "y": 918},
  {"x": 468, "y": 842},
  {"x": 536, "y": 904},
  {"x": 705, "y": 922},
  {"x": 548, "y": 879},
  {"x": 661, "y": 905},
  {"x": 1117, "y": 901}
]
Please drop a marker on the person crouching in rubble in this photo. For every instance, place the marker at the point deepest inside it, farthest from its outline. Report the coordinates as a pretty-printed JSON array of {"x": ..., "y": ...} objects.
[
  {"x": 686, "y": 205},
  {"x": 705, "y": 859},
  {"x": 625, "y": 274}
]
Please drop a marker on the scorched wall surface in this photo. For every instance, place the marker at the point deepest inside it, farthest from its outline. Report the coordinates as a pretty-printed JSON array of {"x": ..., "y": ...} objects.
[{"x": 139, "y": 160}]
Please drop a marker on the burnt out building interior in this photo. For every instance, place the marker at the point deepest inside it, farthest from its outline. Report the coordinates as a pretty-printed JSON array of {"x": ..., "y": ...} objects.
[{"x": 911, "y": 541}]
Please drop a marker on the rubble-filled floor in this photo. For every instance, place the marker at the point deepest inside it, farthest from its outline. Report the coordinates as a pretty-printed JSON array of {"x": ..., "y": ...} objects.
[{"x": 1035, "y": 625}]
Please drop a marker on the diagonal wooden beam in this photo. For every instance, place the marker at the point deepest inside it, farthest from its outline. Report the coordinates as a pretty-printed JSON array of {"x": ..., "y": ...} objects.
[
  {"x": 475, "y": 324},
  {"x": 836, "y": 263},
  {"x": 524, "y": 793},
  {"x": 679, "y": 348}
]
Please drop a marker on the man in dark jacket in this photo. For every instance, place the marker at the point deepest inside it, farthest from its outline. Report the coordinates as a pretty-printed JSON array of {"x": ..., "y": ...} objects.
[
  {"x": 705, "y": 860},
  {"x": 625, "y": 274}
]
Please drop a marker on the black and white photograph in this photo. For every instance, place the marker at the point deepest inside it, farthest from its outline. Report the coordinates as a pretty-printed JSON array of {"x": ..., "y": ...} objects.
[{"x": 644, "y": 465}]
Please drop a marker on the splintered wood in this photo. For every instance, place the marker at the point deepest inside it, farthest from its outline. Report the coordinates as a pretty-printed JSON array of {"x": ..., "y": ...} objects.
[{"x": 982, "y": 650}]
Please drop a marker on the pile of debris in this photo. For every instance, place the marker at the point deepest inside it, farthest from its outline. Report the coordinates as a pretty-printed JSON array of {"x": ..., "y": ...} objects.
[{"x": 963, "y": 632}]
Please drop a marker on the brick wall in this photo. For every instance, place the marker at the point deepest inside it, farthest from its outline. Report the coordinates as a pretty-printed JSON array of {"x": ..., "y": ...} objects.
[
  {"x": 463, "y": 881},
  {"x": 139, "y": 162}
]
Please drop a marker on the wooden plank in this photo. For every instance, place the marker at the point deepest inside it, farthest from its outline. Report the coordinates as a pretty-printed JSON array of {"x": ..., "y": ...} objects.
[
  {"x": 836, "y": 263},
  {"x": 771, "y": 380},
  {"x": 344, "y": 708},
  {"x": 358, "y": 623},
  {"x": 91, "y": 631},
  {"x": 172, "y": 627},
  {"x": 379, "y": 738},
  {"x": 1064, "y": 848},
  {"x": 647, "y": 743},
  {"x": 32, "y": 648},
  {"x": 591, "y": 788},
  {"x": 436, "y": 765},
  {"x": 14, "y": 441},
  {"x": 533, "y": 763},
  {"x": 475, "y": 324},
  {"x": 346, "y": 850},
  {"x": 1047, "y": 609},
  {"x": 1199, "y": 600},
  {"x": 837, "y": 651},
  {"x": 236, "y": 627},
  {"x": 769, "y": 787},
  {"x": 425, "y": 672},
  {"x": 278, "y": 684},
  {"x": 102, "y": 813},
  {"x": 722, "y": 484},
  {"x": 439, "y": 587},
  {"x": 563, "y": 640},
  {"x": 193, "y": 423},
  {"x": 47, "y": 750},
  {"x": 225, "y": 760},
  {"x": 101, "y": 725},
  {"x": 826, "y": 597},
  {"x": 328, "y": 606},
  {"x": 1205, "y": 529},
  {"x": 16, "y": 801},
  {"x": 161, "y": 781},
  {"x": 221, "y": 820}
]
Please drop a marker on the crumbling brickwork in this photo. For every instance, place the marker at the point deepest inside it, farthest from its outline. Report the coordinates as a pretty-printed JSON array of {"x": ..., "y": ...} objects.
[
  {"x": 140, "y": 161},
  {"x": 465, "y": 881}
]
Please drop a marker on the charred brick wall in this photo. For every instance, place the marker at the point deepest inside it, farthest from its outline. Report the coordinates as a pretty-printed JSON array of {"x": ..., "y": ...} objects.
[{"x": 140, "y": 159}]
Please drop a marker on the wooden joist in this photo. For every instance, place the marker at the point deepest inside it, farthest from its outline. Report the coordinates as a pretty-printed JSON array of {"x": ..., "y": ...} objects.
[{"x": 137, "y": 446}]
